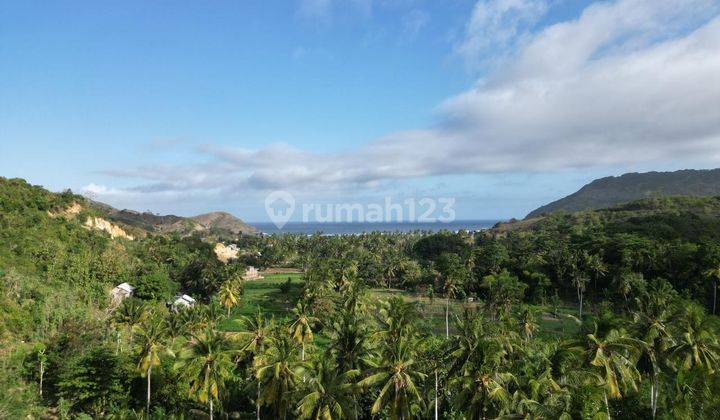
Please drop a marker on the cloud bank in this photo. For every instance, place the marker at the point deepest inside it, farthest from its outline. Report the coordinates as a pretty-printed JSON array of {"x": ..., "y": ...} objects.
[{"x": 627, "y": 82}]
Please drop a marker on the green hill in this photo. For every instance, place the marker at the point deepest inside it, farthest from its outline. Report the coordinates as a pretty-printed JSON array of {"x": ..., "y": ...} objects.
[
  {"x": 662, "y": 218},
  {"x": 54, "y": 266},
  {"x": 216, "y": 225},
  {"x": 609, "y": 191},
  {"x": 56, "y": 271}
]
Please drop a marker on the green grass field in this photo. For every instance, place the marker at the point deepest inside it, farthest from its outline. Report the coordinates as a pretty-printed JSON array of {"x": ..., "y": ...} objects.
[
  {"x": 266, "y": 295},
  {"x": 433, "y": 313}
]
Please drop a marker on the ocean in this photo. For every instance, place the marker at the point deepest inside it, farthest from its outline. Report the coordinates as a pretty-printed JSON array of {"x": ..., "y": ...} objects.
[{"x": 350, "y": 228}]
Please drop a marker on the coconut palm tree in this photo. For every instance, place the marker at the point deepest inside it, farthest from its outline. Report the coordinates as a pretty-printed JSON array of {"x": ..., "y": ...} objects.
[
  {"x": 697, "y": 346},
  {"x": 149, "y": 337},
  {"x": 396, "y": 319},
  {"x": 176, "y": 326},
  {"x": 611, "y": 356},
  {"x": 580, "y": 281},
  {"x": 528, "y": 325},
  {"x": 229, "y": 294},
  {"x": 548, "y": 398},
  {"x": 253, "y": 341},
  {"x": 396, "y": 376},
  {"x": 477, "y": 354},
  {"x": 330, "y": 392},
  {"x": 390, "y": 265},
  {"x": 433, "y": 359},
  {"x": 594, "y": 265},
  {"x": 277, "y": 371},
  {"x": 396, "y": 373},
  {"x": 714, "y": 275},
  {"x": 450, "y": 289},
  {"x": 300, "y": 328},
  {"x": 206, "y": 361},
  {"x": 349, "y": 340},
  {"x": 484, "y": 394},
  {"x": 130, "y": 313},
  {"x": 654, "y": 309}
]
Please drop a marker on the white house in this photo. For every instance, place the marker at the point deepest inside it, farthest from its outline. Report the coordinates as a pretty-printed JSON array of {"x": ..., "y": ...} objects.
[
  {"x": 252, "y": 273},
  {"x": 183, "y": 301},
  {"x": 120, "y": 292}
]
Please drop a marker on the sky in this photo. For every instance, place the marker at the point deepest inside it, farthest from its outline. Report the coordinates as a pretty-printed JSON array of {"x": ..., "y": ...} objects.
[{"x": 186, "y": 107}]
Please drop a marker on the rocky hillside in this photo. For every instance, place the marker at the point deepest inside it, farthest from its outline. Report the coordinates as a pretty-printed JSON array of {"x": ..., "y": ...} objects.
[
  {"x": 225, "y": 222},
  {"x": 216, "y": 224},
  {"x": 610, "y": 191}
]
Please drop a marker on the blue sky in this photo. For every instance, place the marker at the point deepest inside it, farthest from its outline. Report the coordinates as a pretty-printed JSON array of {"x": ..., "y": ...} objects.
[{"x": 185, "y": 107}]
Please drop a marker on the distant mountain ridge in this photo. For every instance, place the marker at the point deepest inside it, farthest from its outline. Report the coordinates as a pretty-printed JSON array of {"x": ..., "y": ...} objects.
[
  {"x": 215, "y": 223},
  {"x": 614, "y": 190}
]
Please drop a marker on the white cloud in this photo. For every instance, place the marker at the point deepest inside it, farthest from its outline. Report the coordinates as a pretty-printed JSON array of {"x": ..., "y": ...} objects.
[
  {"x": 496, "y": 25},
  {"x": 628, "y": 82},
  {"x": 95, "y": 189}
]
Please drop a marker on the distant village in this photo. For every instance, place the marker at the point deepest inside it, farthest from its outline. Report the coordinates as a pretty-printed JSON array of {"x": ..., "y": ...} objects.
[{"x": 182, "y": 301}]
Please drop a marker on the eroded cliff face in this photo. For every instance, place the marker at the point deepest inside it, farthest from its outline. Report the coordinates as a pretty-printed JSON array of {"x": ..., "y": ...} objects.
[
  {"x": 70, "y": 212},
  {"x": 99, "y": 223},
  {"x": 225, "y": 253},
  {"x": 96, "y": 223}
]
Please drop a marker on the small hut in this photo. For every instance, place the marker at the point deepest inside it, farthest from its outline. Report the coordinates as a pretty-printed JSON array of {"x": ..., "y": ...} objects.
[
  {"x": 182, "y": 302},
  {"x": 252, "y": 273},
  {"x": 121, "y": 292}
]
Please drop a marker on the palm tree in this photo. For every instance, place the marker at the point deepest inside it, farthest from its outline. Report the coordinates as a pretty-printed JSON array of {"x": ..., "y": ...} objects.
[
  {"x": 396, "y": 373},
  {"x": 254, "y": 341},
  {"x": 300, "y": 328},
  {"x": 349, "y": 337},
  {"x": 229, "y": 294},
  {"x": 595, "y": 265},
  {"x": 549, "y": 399},
  {"x": 433, "y": 359},
  {"x": 149, "y": 337},
  {"x": 651, "y": 317},
  {"x": 462, "y": 348},
  {"x": 714, "y": 274},
  {"x": 450, "y": 289},
  {"x": 390, "y": 266},
  {"x": 611, "y": 356},
  {"x": 396, "y": 320},
  {"x": 528, "y": 325},
  {"x": 277, "y": 372},
  {"x": 484, "y": 394},
  {"x": 477, "y": 354},
  {"x": 580, "y": 282},
  {"x": 130, "y": 313},
  {"x": 207, "y": 316},
  {"x": 176, "y": 325},
  {"x": 330, "y": 393},
  {"x": 396, "y": 376},
  {"x": 206, "y": 361},
  {"x": 698, "y": 345}
]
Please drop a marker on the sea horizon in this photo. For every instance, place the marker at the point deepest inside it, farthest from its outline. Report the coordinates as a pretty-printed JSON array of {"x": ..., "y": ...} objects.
[{"x": 350, "y": 228}]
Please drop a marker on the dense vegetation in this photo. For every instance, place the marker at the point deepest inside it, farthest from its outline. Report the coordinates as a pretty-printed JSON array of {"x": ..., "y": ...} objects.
[
  {"x": 633, "y": 289},
  {"x": 610, "y": 191}
]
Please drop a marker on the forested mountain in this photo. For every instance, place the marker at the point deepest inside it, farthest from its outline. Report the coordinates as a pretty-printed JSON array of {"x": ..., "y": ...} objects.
[
  {"x": 609, "y": 191},
  {"x": 686, "y": 218},
  {"x": 596, "y": 314}
]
